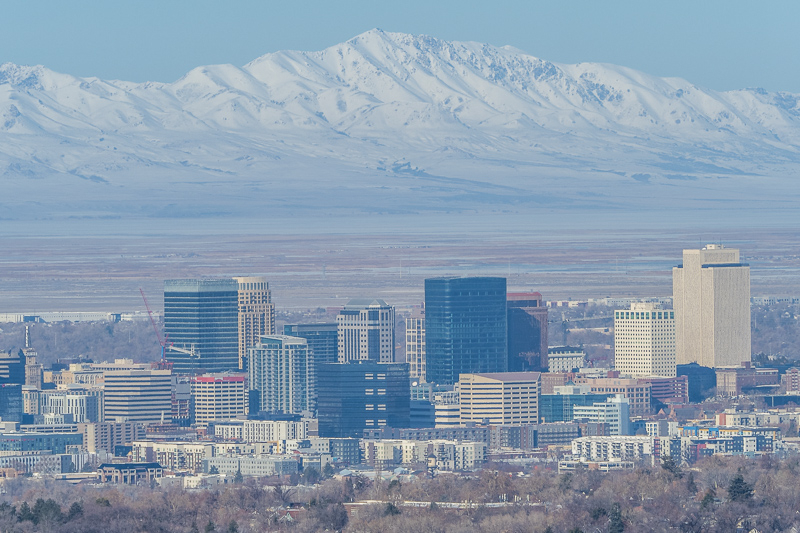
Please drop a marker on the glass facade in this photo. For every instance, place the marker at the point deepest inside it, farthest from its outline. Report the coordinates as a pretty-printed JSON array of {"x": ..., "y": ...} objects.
[
  {"x": 465, "y": 327},
  {"x": 360, "y": 395},
  {"x": 323, "y": 340},
  {"x": 203, "y": 314}
]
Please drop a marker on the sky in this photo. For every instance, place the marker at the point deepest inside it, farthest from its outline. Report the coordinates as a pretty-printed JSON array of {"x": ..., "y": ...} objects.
[{"x": 721, "y": 45}]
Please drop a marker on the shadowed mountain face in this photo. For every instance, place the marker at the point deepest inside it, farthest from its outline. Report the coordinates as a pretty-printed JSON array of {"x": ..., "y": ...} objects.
[{"x": 398, "y": 125}]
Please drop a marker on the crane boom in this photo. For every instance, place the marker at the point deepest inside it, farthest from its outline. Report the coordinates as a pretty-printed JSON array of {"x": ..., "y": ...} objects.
[
  {"x": 163, "y": 342},
  {"x": 152, "y": 320}
]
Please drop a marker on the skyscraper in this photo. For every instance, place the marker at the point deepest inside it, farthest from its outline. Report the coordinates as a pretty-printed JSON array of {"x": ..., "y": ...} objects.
[
  {"x": 465, "y": 327},
  {"x": 203, "y": 315},
  {"x": 644, "y": 341},
  {"x": 281, "y": 375},
  {"x": 711, "y": 297},
  {"x": 415, "y": 346},
  {"x": 527, "y": 332},
  {"x": 366, "y": 331},
  {"x": 256, "y": 313},
  {"x": 322, "y": 339}
]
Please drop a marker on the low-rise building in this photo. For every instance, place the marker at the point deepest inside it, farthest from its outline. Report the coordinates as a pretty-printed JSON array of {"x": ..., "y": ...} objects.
[
  {"x": 616, "y": 448},
  {"x": 129, "y": 473},
  {"x": 258, "y": 466}
]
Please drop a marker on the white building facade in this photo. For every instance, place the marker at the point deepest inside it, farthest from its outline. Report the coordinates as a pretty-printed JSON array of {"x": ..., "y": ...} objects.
[
  {"x": 644, "y": 341},
  {"x": 711, "y": 296}
]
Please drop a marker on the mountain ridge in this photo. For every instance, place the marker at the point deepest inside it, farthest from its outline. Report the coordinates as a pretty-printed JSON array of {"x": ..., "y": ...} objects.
[{"x": 341, "y": 121}]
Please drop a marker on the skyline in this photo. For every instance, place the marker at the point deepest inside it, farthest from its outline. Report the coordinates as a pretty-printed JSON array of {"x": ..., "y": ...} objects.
[{"x": 719, "y": 46}]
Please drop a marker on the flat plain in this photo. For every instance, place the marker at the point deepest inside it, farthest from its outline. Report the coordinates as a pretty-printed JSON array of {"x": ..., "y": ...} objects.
[{"x": 105, "y": 272}]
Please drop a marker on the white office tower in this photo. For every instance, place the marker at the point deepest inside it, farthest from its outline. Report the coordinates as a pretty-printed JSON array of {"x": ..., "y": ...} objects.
[
  {"x": 415, "y": 347},
  {"x": 281, "y": 374},
  {"x": 711, "y": 297},
  {"x": 644, "y": 341},
  {"x": 366, "y": 331}
]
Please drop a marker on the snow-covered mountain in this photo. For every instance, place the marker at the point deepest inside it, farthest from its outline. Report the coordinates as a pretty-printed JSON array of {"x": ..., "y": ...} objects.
[{"x": 389, "y": 123}]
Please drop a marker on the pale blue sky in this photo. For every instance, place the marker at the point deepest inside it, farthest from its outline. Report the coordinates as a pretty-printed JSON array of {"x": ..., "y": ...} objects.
[{"x": 717, "y": 44}]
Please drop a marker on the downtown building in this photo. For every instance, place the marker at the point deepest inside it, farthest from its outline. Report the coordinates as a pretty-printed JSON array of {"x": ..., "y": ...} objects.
[
  {"x": 138, "y": 396},
  {"x": 202, "y": 316},
  {"x": 362, "y": 395},
  {"x": 322, "y": 340},
  {"x": 218, "y": 397},
  {"x": 366, "y": 331},
  {"x": 499, "y": 398},
  {"x": 711, "y": 297},
  {"x": 465, "y": 327},
  {"x": 527, "y": 332},
  {"x": 644, "y": 341},
  {"x": 415, "y": 347},
  {"x": 281, "y": 375},
  {"x": 256, "y": 313}
]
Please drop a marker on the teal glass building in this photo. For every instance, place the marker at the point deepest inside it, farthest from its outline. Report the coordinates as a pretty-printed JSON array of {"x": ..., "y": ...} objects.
[
  {"x": 466, "y": 327},
  {"x": 203, "y": 314}
]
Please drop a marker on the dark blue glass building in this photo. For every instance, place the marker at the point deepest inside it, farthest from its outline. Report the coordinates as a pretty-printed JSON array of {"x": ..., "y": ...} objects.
[
  {"x": 362, "y": 395},
  {"x": 465, "y": 327},
  {"x": 204, "y": 314},
  {"x": 323, "y": 340}
]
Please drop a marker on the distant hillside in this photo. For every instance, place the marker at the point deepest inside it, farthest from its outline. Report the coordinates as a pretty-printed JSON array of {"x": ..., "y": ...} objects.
[{"x": 395, "y": 124}]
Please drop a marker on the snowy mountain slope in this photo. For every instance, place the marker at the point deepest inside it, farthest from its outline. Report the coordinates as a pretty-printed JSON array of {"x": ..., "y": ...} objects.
[{"x": 388, "y": 122}]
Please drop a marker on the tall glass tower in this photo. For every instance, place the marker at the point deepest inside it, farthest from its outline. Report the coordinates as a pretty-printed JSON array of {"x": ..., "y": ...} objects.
[
  {"x": 465, "y": 327},
  {"x": 203, "y": 315}
]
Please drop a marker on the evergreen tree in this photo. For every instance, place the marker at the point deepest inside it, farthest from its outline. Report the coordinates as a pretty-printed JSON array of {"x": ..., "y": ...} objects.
[
  {"x": 739, "y": 490},
  {"x": 615, "y": 523}
]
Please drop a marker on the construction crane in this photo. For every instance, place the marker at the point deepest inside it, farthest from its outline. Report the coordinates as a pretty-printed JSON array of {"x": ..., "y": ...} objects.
[{"x": 165, "y": 342}]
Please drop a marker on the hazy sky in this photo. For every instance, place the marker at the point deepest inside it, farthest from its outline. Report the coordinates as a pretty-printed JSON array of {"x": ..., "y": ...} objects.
[{"x": 718, "y": 44}]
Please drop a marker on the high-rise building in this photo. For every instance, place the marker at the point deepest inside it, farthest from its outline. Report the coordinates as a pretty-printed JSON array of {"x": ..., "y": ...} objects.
[
  {"x": 415, "y": 346},
  {"x": 499, "y": 398},
  {"x": 527, "y": 332},
  {"x": 256, "y": 314},
  {"x": 465, "y": 327},
  {"x": 366, "y": 331},
  {"x": 138, "y": 396},
  {"x": 218, "y": 397},
  {"x": 644, "y": 341},
  {"x": 202, "y": 316},
  {"x": 711, "y": 297},
  {"x": 12, "y": 368},
  {"x": 33, "y": 370},
  {"x": 11, "y": 402},
  {"x": 281, "y": 375},
  {"x": 322, "y": 339},
  {"x": 352, "y": 397}
]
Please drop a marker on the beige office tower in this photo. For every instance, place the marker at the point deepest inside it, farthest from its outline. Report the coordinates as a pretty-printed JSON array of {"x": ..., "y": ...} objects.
[
  {"x": 415, "y": 347},
  {"x": 366, "y": 331},
  {"x": 644, "y": 341},
  {"x": 256, "y": 313},
  {"x": 711, "y": 297}
]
